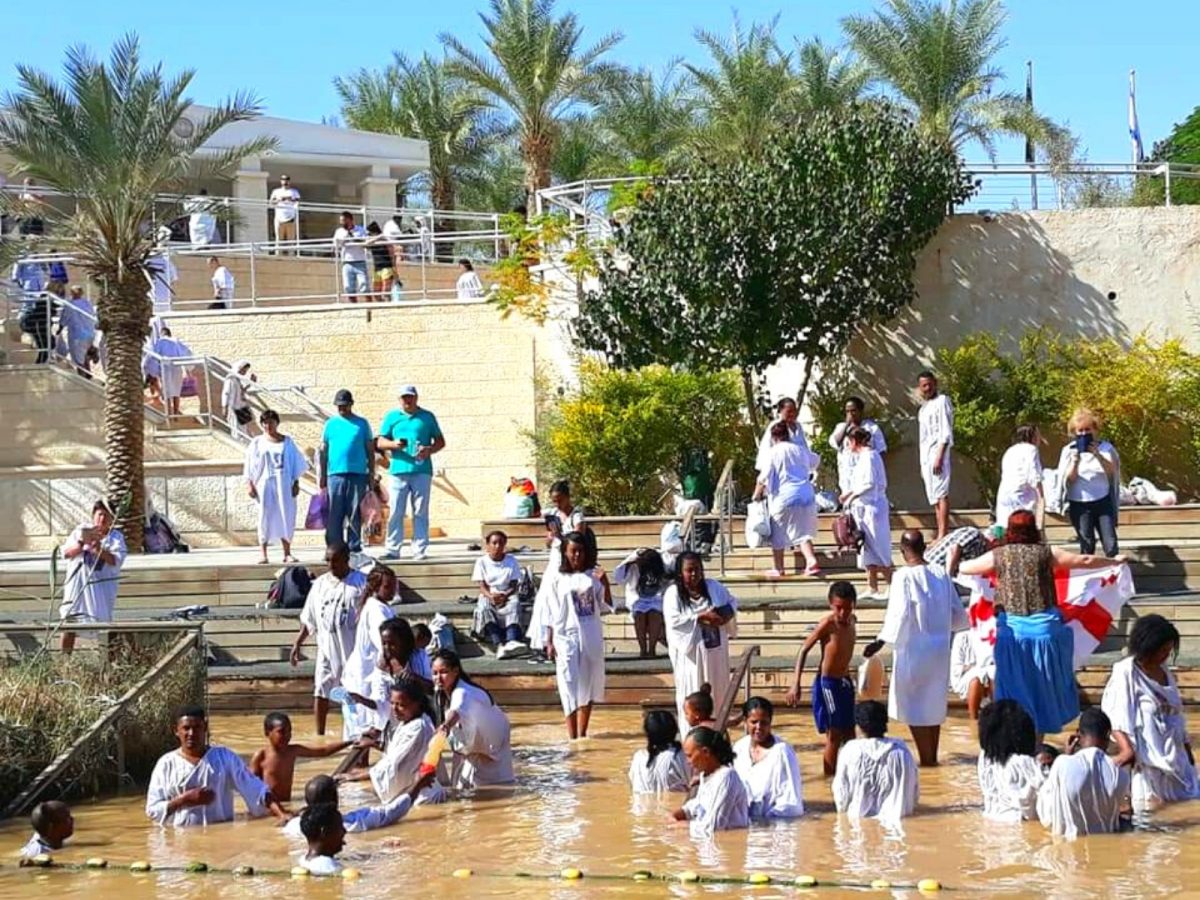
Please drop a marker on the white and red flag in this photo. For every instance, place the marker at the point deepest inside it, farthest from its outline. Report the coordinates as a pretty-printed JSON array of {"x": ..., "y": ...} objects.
[{"x": 1089, "y": 599}]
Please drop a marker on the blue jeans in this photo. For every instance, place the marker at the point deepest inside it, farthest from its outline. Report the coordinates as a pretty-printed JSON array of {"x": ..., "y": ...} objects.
[
  {"x": 418, "y": 487},
  {"x": 346, "y": 492}
]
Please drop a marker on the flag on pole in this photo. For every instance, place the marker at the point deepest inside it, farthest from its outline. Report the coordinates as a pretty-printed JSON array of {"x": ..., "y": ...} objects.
[
  {"x": 1029, "y": 150},
  {"x": 1135, "y": 133},
  {"x": 1089, "y": 599}
]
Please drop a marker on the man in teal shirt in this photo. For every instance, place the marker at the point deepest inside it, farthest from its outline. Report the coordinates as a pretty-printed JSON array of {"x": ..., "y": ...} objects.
[
  {"x": 411, "y": 436},
  {"x": 347, "y": 469}
]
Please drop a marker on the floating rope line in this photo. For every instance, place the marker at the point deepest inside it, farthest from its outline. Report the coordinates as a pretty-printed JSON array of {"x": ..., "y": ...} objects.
[{"x": 141, "y": 867}]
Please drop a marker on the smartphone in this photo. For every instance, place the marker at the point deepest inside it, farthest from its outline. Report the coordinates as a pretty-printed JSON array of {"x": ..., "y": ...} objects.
[
  {"x": 552, "y": 523},
  {"x": 87, "y": 535},
  {"x": 1082, "y": 441}
]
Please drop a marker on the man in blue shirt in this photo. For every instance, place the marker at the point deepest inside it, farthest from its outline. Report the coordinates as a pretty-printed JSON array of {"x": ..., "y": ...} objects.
[
  {"x": 411, "y": 436},
  {"x": 347, "y": 469}
]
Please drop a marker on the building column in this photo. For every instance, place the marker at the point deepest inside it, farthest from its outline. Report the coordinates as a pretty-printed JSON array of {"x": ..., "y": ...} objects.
[
  {"x": 250, "y": 222},
  {"x": 378, "y": 194}
]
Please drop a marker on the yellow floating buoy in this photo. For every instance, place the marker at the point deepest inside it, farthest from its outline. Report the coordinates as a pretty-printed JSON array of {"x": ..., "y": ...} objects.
[
  {"x": 351, "y": 874},
  {"x": 759, "y": 878},
  {"x": 929, "y": 885},
  {"x": 300, "y": 872},
  {"x": 805, "y": 881},
  {"x": 462, "y": 873},
  {"x": 571, "y": 874},
  {"x": 140, "y": 866},
  {"x": 42, "y": 861},
  {"x": 244, "y": 871},
  {"x": 196, "y": 868},
  {"x": 880, "y": 884},
  {"x": 688, "y": 877},
  {"x": 97, "y": 862},
  {"x": 642, "y": 875}
]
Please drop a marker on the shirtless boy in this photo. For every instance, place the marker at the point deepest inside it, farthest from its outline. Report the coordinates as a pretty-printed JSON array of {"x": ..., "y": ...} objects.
[
  {"x": 275, "y": 763},
  {"x": 833, "y": 689}
]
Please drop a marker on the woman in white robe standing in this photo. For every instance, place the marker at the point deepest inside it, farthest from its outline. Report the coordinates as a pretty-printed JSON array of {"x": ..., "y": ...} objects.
[
  {"x": 563, "y": 519},
  {"x": 359, "y": 674},
  {"x": 700, "y": 616},
  {"x": 1143, "y": 702},
  {"x": 767, "y": 765},
  {"x": 1021, "y": 477},
  {"x": 171, "y": 374},
  {"x": 721, "y": 802},
  {"x": 661, "y": 765},
  {"x": 786, "y": 480},
  {"x": 1009, "y": 773},
  {"x": 868, "y": 504},
  {"x": 479, "y": 731},
  {"x": 273, "y": 468}
]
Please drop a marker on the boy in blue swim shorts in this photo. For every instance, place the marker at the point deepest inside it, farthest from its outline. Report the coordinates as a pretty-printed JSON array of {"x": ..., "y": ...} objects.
[{"x": 833, "y": 689}]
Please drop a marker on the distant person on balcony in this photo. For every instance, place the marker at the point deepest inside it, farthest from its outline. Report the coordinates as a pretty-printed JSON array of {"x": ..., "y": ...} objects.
[
  {"x": 381, "y": 260},
  {"x": 162, "y": 275},
  {"x": 94, "y": 555},
  {"x": 78, "y": 320},
  {"x": 347, "y": 468},
  {"x": 171, "y": 374},
  {"x": 393, "y": 234},
  {"x": 202, "y": 224},
  {"x": 233, "y": 398},
  {"x": 936, "y": 426},
  {"x": 274, "y": 465},
  {"x": 348, "y": 243},
  {"x": 285, "y": 202},
  {"x": 222, "y": 284},
  {"x": 839, "y": 440},
  {"x": 425, "y": 240},
  {"x": 410, "y": 435},
  {"x": 469, "y": 285}
]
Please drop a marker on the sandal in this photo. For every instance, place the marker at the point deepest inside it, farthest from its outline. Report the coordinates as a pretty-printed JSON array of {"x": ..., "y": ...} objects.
[{"x": 813, "y": 570}]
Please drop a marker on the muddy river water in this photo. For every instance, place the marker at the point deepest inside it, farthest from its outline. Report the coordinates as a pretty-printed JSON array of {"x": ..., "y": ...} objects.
[{"x": 572, "y": 807}]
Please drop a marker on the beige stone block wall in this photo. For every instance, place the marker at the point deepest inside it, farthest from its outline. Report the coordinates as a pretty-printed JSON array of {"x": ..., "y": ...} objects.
[{"x": 474, "y": 370}]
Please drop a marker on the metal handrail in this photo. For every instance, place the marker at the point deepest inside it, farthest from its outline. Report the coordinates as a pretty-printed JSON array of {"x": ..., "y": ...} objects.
[{"x": 724, "y": 498}]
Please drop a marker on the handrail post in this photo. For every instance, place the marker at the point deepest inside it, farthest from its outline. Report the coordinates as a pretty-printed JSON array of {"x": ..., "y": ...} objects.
[
  {"x": 496, "y": 231},
  {"x": 253, "y": 278}
]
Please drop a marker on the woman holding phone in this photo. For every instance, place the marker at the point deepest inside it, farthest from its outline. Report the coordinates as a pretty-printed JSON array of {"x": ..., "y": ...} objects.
[{"x": 1092, "y": 470}]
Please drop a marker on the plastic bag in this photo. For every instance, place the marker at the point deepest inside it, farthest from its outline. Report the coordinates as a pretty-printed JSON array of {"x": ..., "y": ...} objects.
[
  {"x": 371, "y": 510},
  {"x": 318, "y": 511},
  {"x": 758, "y": 525},
  {"x": 189, "y": 387}
]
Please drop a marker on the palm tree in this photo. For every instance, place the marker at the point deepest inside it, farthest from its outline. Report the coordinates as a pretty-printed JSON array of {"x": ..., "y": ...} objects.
[
  {"x": 537, "y": 70},
  {"x": 748, "y": 92},
  {"x": 827, "y": 78},
  {"x": 114, "y": 138},
  {"x": 648, "y": 119},
  {"x": 939, "y": 59},
  {"x": 496, "y": 183},
  {"x": 421, "y": 99},
  {"x": 582, "y": 152}
]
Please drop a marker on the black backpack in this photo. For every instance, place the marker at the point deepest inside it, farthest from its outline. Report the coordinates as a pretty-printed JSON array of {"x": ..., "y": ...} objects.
[{"x": 290, "y": 589}]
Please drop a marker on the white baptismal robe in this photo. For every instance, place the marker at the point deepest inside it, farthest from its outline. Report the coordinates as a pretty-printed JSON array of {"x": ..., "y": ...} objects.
[
  {"x": 171, "y": 373},
  {"x": 481, "y": 739},
  {"x": 1082, "y": 794},
  {"x": 1152, "y": 715},
  {"x": 923, "y": 612},
  {"x": 573, "y": 609},
  {"x": 773, "y": 783},
  {"x": 358, "y": 675},
  {"x": 221, "y": 770},
  {"x": 668, "y": 771},
  {"x": 876, "y": 778},
  {"x": 1010, "y": 788},
  {"x": 721, "y": 804},
  {"x": 693, "y": 662},
  {"x": 868, "y": 479},
  {"x": 365, "y": 818},
  {"x": 273, "y": 467},
  {"x": 395, "y": 773}
]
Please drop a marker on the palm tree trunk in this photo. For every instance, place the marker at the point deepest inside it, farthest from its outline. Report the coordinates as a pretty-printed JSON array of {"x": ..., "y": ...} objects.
[
  {"x": 441, "y": 193},
  {"x": 124, "y": 413},
  {"x": 537, "y": 151}
]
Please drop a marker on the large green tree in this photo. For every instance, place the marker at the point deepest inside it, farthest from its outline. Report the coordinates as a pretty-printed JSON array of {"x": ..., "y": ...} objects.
[
  {"x": 939, "y": 58},
  {"x": 537, "y": 68},
  {"x": 1182, "y": 146},
  {"x": 113, "y": 137},
  {"x": 735, "y": 264},
  {"x": 421, "y": 99}
]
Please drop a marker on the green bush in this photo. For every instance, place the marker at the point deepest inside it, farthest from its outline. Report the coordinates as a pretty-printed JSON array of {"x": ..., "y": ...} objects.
[{"x": 622, "y": 437}]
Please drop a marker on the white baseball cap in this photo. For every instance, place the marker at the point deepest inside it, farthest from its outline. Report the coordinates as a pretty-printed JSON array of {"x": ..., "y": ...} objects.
[{"x": 408, "y": 390}]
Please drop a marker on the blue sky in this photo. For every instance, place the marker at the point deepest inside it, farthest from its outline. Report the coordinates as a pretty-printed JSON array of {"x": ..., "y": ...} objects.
[{"x": 288, "y": 53}]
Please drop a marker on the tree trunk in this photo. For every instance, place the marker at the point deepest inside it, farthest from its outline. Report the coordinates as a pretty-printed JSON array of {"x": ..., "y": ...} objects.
[
  {"x": 537, "y": 150},
  {"x": 441, "y": 194},
  {"x": 808, "y": 369},
  {"x": 751, "y": 400},
  {"x": 125, "y": 322}
]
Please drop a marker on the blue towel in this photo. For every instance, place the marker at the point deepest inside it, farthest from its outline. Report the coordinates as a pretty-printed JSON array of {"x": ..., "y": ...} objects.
[{"x": 1034, "y": 666}]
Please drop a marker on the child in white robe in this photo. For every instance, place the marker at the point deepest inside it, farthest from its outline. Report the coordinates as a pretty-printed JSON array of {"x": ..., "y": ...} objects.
[
  {"x": 1143, "y": 702},
  {"x": 194, "y": 785},
  {"x": 575, "y": 635},
  {"x": 1085, "y": 790},
  {"x": 721, "y": 802},
  {"x": 274, "y": 465},
  {"x": 868, "y": 504},
  {"x": 479, "y": 731},
  {"x": 564, "y": 518},
  {"x": 359, "y": 675},
  {"x": 498, "y": 608},
  {"x": 700, "y": 615},
  {"x": 767, "y": 765},
  {"x": 876, "y": 775},
  {"x": 52, "y": 824},
  {"x": 972, "y": 671},
  {"x": 1009, "y": 773},
  {"x": 323, "y": 828},
  {"x": 644, "y": 574},
  {"x": 660, "y": 766}
]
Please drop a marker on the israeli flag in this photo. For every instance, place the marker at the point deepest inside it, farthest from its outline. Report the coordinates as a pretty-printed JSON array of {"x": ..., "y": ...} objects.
[{"x": 1135, "y": 133}]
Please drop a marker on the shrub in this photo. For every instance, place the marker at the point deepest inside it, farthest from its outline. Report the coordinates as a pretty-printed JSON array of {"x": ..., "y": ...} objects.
[{"x": 622, "y": 437}]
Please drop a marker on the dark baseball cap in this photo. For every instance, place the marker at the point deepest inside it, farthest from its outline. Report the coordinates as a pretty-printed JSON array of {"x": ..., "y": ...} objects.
[{"x": 343, "y": 398}]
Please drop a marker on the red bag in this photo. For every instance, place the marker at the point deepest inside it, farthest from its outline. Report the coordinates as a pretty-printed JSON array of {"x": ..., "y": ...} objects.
[{"x": 846, "y": 533}]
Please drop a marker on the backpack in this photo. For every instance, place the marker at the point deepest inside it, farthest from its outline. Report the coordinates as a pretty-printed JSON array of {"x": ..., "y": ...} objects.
[
  {"x": 159, "y": 536},
  {"x": 521, "y": 500},
  {"x": 526, "y": 587},
  {"x": 290, "y": 589},
  {"x": 846, "y": 533}
]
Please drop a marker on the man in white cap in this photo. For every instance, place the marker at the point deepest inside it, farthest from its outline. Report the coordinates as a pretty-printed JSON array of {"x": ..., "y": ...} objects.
[{"x": 410, "y": 435}]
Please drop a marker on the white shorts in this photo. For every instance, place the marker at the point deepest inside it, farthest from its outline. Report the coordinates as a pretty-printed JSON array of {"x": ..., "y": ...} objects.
[
  {"x": 937, "y": 487},
  {"x": 326, "y": 676}
]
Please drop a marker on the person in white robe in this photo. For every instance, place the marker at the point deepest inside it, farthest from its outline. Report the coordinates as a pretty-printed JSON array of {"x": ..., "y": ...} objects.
[
  {"x": 195, "y": 784},
  {"x": 787, "y": 412},
  {"x": 575, "y": 634},
  {"x": 324, "y": 789},
  {"x": 721, "y": 802},
  {"x": 202, "y": 223},
  {"x": 1085, "y": 790},
  {"x": 78, "y": 320},
  {"x": 479, "y": 731},
  {"x": 923, "y": 612},
  {"x": 162, "y": 276},
  {"x": 1143, "y": 702},
  {"x": 935, "y": 426},
  {"x": 359, "y": 675},
  {"x": 498, "y": 608},
  {"x": 700, "y": 615},
  {"x": 238, "y": 415},
  {"x": 468, "y": 287},
  {"x": 644, "y": 574},
  {"x": 972, "y": 671},
  {"x": 273, "y": 468},
  {"x": 838, "y": 440},
  {"x": 563, "y": 518},
  {"x": 876, "y": 776},
  {"x": 868, "y": 503},
  {"x": 1009, "y": 772},
  {"x": 330, "y": 615},
  {"x": 661, "y": 766},
  {"x": 171, "y": 374},
  {"x": 767, "y": 765},
  {"x": 786, "y": 480},
  {"x": 1021, "y": 477},
  {"x": 95, "y": 554},
  {"x": 405, "y": 743}
]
